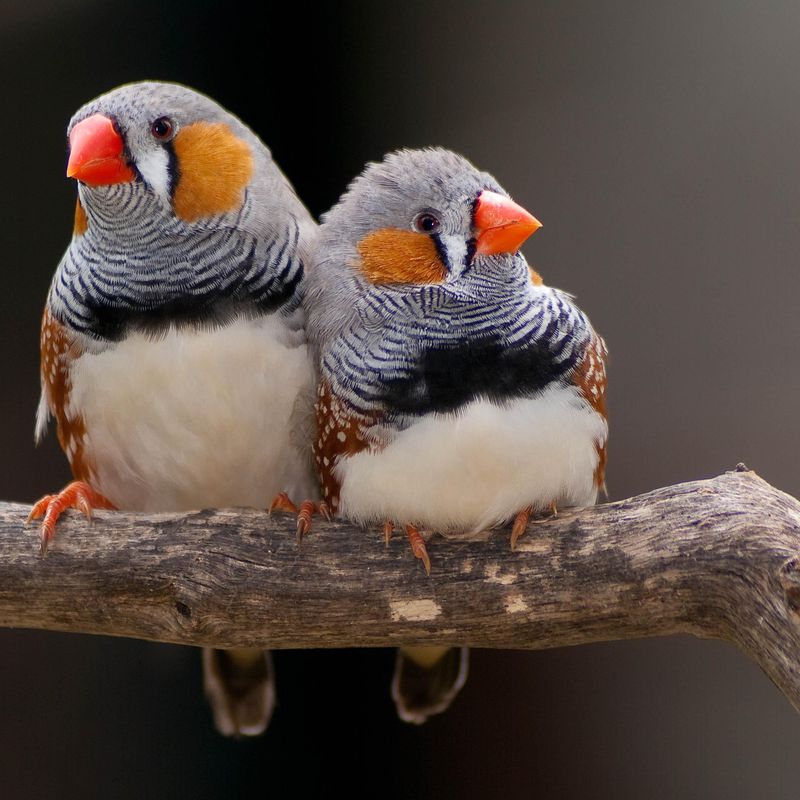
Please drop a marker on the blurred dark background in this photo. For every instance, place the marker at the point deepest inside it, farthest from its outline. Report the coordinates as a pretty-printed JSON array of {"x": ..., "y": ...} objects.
[{"x": 658, "y": 143}]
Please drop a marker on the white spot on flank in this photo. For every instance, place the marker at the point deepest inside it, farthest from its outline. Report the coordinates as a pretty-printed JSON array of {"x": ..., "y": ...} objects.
[
  {"x": 340, "y": 436},
  {"x": 414, "y": 610}
]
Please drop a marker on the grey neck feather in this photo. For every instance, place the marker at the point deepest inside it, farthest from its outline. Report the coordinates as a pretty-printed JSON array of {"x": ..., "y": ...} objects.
[
  {"x": 139, "y": 266},
  {"x": 404, "y": 351}
]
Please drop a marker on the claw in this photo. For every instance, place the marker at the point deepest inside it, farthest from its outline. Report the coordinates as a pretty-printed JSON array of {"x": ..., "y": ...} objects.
[
  {"x": 520, "y": 525},
  {"x": 39, "y": 507},
  {"x": 305, "y": 513},
  {"x": 78, "y": 495},
  {"x": 304, "y": 516},
  {"x": 418, "y": 547},
  {"x": 521, "y": 522}
]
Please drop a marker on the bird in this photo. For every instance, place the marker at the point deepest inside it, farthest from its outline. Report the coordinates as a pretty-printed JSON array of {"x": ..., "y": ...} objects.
[
  {"x": 173, "y": 353},
  {"x": 456, "y": 391}
]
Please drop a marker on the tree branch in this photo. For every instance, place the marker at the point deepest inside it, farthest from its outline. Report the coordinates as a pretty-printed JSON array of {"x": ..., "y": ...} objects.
[{"x": 717, "y": 558}]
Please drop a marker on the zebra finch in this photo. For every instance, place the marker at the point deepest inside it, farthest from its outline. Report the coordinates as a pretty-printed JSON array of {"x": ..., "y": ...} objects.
[
  {"x": 456, "y": 391},
  {"x": 173, "y": 355}
]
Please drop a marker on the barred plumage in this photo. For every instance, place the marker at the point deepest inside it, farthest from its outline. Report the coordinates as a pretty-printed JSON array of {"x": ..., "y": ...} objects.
[
  {"x": 359, "y": 364},
  {"x": 133, "y": 267}
]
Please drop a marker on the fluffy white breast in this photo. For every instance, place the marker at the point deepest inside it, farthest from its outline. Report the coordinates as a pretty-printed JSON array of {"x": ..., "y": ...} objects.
[
  {"x": 472, "y": 470},
  {"x": 197, "y": 418}
]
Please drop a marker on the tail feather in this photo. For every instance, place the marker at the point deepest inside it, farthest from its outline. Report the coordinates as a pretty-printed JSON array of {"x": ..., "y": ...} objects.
[
  {"x": 240, "y": 687},
  {"x": 427, "y": 679}
]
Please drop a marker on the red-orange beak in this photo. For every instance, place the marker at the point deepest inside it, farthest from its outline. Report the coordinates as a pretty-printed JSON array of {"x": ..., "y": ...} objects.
[
  {"x": 502, "y": 225},
  {"x": 96, "y": 153}
]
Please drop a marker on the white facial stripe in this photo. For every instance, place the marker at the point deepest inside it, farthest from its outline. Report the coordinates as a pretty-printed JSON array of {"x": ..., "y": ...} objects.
[
  {"x": 154, "y": 169},
  {"x": 456, "y": 249}
]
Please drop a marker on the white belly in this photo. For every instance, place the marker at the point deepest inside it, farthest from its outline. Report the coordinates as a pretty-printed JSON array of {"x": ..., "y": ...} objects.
[
  {"x": 475, "y": 469},
  {"x": 197, "y": 418}
]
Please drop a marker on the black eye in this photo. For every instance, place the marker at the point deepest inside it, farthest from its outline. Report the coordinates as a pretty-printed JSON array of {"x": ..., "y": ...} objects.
[
  {"x": 426, "y": 222},
  {"x": 162, "y": 129}
]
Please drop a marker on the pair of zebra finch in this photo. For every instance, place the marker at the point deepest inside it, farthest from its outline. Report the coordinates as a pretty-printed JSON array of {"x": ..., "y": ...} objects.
[{"x": 205, "y": 343}]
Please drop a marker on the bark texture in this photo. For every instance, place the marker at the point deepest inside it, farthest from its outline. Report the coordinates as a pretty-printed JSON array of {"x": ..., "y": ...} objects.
[{"x": 718, "y": 558}]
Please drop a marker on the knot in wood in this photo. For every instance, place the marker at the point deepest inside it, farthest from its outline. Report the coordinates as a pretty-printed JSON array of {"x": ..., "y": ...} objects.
[{"x": 790, "y": 581}]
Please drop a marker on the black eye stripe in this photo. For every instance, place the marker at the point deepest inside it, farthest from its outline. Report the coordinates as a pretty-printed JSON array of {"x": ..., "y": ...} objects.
[
  {"x": 173, "y": 168},
  {"x": 442, "y": 252}
]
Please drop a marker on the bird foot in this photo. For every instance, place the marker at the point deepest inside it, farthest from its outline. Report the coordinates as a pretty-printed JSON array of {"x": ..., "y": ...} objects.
[
  {"x": 282, "y": 502},
  {"x": 305, "y": 512},
  {"x": 78, "y": 495},
  {"x": 522, "y": 519},
  {"x": 415, "y": 539},
  {"x": 418, "y": 547}
]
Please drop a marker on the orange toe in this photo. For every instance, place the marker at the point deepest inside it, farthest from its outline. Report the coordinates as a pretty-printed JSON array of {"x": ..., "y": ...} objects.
[
  {"x": 522, "y": 518},
  {"x": 520, "y": 525},
  {"x": 282, "y": 502},
  {"x": 78, "y": 495},
  {"x": 388, "y": 530},
  {"x": 305, "y": 512},
  {"x": 304, "y": 516},
  {"x": 418, "y": 547}
]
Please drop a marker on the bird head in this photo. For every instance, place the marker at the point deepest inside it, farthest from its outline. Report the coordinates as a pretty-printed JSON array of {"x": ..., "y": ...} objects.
[
  {"x": 422, "y": 217},
  {"x": 152, "y": 144},
  {"x": 182, "y": 217}
]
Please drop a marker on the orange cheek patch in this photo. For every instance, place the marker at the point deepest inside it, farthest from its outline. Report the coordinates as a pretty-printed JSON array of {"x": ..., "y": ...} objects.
[
  {"x": 81, "y": 221},
  {"x": 391, "y": 255},
  {"x": 215, "y": 166}
]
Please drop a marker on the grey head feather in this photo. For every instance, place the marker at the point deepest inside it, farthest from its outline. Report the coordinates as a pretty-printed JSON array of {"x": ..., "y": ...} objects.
[
  {"x": 389, "y": 193},
  {"x": 134, "y": 106}
]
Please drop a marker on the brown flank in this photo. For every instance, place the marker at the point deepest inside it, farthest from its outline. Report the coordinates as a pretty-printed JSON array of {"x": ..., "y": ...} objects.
[
  {"x": 590, "y": 377},
  {"x": 340, "y": 434},
  {"x": 58, "y": 351}
]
